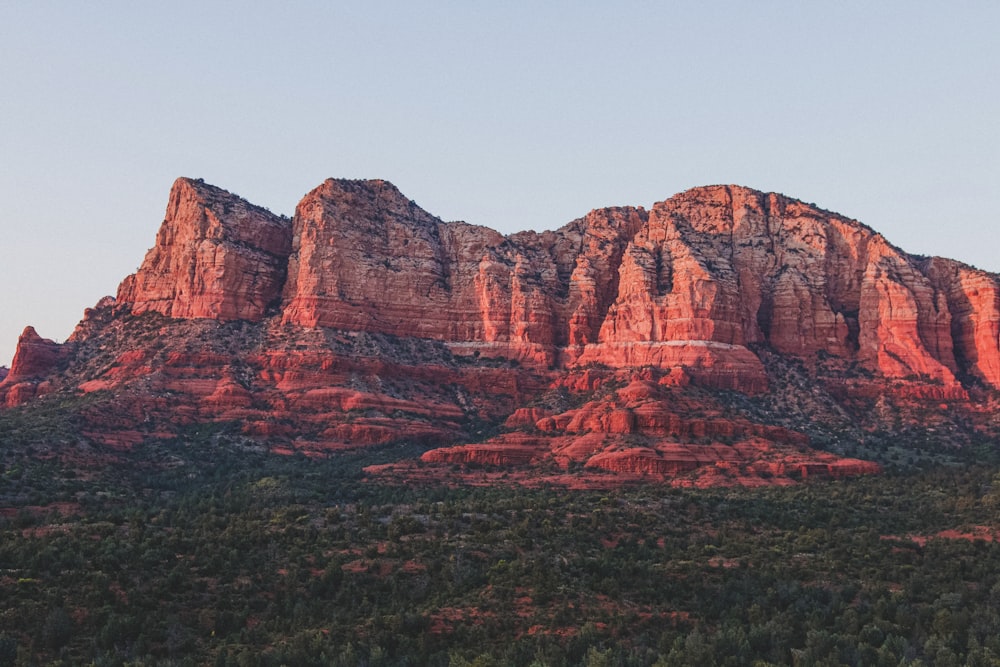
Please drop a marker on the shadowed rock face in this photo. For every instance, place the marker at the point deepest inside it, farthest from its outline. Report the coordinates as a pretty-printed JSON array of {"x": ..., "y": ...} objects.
[{"x": 694, "y": 288}]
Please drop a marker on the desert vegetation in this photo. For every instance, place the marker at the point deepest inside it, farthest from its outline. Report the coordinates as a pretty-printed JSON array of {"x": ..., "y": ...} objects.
[{"x": 200, "y": 551}]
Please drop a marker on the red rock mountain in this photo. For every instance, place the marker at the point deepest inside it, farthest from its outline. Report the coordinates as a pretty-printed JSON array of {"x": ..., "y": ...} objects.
[
  {"x": 215, "y": 256},
  {"x": 364, "y": 319}
]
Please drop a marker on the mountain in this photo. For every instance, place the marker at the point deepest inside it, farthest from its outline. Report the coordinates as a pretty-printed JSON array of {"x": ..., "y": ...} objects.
[{"x": 709, "y": 340}]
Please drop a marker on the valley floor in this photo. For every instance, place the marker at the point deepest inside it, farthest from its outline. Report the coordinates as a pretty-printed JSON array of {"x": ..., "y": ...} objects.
[{"x": 199, "y": 552}]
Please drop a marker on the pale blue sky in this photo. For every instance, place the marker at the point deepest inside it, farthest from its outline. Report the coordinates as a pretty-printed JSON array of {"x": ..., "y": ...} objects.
[{"x": 513, "y": 115}]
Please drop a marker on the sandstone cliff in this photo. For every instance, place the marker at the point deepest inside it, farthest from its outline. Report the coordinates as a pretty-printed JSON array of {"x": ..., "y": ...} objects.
[
  {"x": 34, "y": 360},
  {"x": 365, "y": 257},
  {"x": 364, "y": 319},
  {"x": 691, "y": 284},
  {"x": 216, "y": 256}
]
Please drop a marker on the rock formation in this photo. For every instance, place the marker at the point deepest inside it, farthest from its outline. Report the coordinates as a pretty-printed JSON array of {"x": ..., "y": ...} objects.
[
  {"x": 34, "y": 359},
  {"x": 689, "y": 284},
  {"x": 365, "y": 319},
  {"x": 216, "y": 256},
  {"x": 972, "y": 298},
  {"x": 650, "y": 426}
]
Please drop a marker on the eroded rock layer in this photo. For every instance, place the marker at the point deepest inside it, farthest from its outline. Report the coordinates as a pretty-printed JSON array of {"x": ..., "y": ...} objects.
[
  {"x": 643, "y": 422},
  {"x": 364, "y": 319},
  {"x": 689, "y": 284},
  {"x": 34, "y": 361},
  {"x": 216, "y": 256}
]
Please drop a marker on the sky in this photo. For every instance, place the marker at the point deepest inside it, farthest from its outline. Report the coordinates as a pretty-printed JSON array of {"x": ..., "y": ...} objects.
[{"x": 515, "y": 115}]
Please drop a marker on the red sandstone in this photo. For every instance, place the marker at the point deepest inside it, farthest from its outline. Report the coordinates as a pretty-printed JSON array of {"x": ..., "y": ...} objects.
[{"x": 672, "y": 300}]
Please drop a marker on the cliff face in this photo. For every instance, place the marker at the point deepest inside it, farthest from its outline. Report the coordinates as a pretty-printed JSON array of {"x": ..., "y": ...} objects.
[
  {"x": 365, "y": 319},
  {"x": 733, "y": 266},
  {"x": 972, "y": 298},
  {"x": 689, "y": 284},
  {"x": 34, "y": 360},
  {"x": 365, "y": 257},
  {"x": 216, "y": 256}
]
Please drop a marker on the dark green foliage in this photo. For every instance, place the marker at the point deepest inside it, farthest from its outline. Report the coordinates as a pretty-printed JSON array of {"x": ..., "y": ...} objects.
[
  {"x": 8, "y": 651},
  {"x": 58, "y": 628},
  {"x": 200, "y": 552}
]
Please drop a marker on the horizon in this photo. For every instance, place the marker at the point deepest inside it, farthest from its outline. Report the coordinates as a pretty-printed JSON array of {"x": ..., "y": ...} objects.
[{"x": 512, "y": 118}]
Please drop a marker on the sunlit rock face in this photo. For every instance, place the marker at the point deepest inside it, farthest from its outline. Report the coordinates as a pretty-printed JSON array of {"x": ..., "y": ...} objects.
[
  {"x": 35, "y": 358},
  {"x": 216, "y": 256},
  {"x": 366, "y": 257},
  {"x": 690, "y": 284},
  {"x": 651, "y": 427},
  {"x": 364, "y": 320}
]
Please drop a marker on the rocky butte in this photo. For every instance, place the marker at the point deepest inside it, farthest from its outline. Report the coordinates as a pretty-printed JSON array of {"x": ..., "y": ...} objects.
[{"x": 708, "y": 340}]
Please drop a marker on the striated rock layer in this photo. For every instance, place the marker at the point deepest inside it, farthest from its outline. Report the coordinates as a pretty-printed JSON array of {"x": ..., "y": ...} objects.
[
  {"x": 651, "y": 426},
  {"x": 216, "y": 256},
  {"x": 36, "y": 358},
  {"x": 691, "y": 283},
  {"x": 365, "y": 319}
]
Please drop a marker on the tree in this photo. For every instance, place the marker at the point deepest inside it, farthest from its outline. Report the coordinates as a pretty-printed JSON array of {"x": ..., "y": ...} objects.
[
  {"x": 8, "y": 651},
  {"x": 58, "y": 628}
]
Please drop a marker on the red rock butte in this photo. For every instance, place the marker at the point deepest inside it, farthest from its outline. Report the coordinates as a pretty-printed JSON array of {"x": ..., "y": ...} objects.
[{"x": 364, "y": 319}]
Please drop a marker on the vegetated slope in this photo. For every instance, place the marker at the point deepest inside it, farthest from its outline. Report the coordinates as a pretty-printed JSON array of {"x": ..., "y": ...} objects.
[
  {"x": 197, "y": 551},
  {"x": 707, "y": 341}
]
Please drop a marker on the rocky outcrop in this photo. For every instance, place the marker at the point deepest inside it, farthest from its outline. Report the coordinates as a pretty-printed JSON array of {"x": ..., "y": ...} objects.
[
  {"x": 34, "y": 360},
  {"x": 651, "y": 427},
  {"x": 692, "y": 284},
  {"x": 728, "y": 266},
  {"x": 365, "y": 257},
  {"x": 364, "y": 319},
  {"x": 503, "y": 454},
  {"x": 216, "y": 256},
  {"x": 973, "y": 301},
  {"x": 905, "y": 325}
]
